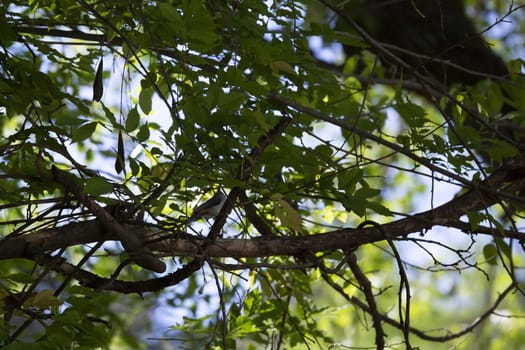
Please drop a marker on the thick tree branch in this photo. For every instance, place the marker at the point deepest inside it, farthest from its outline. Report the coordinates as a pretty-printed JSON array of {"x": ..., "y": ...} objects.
[
  {"x": 96, "y": 282},
  {"x": 447, "y": 215}
]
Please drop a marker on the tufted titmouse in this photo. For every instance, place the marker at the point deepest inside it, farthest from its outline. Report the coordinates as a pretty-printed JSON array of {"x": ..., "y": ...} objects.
[{"x": 210, "y": 208}]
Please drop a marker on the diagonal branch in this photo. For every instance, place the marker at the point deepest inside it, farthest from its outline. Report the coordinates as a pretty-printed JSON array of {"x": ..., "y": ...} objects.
[
  {"x": 366, "y": 287},
  {"x": 419, "y": 333},
  {"x": 132, "y": 244},
  {"x": 246, "y": 172}
]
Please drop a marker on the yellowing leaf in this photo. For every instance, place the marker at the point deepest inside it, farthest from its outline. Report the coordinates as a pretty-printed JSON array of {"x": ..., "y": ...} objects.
[
  {"x": 43, "y": 300},
  {"x": 281, "y": 66},
  {"x": 288, "y": 216}
]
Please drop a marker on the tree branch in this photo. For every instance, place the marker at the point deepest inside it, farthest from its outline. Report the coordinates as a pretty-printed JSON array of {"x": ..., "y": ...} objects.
[
  {"x": 366, "y": 288},
  {"x": 447, "y": 215},
  {"x": 132, "y": 244}
]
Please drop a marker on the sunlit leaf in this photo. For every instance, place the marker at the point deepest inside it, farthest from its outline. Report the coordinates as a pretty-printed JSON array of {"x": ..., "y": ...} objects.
[{"x": 288, "y": 216}]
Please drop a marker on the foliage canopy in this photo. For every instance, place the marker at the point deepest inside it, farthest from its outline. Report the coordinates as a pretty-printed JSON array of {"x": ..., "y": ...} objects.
[{"x": 374, "y": 198}]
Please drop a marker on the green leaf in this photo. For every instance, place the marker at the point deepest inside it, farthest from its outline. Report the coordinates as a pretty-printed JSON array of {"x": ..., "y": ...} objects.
[
  {"x": 411, "y": 113},
  {"x": 8, "y": 34},
  {"x": 514, "y": 88},
  {"x": 120, "y": 161},
  {"x": 132, "y": 121},
  {"x": 97, "y": 186},
  {"x": 98, "y": 86},
  {"x": 347, "y": 180},
  {"x": 367, "y": 192},
  {"x": 19, "y": 277},
  {"x": 379, "y": 208},
  {"x": 135, "y": 168},
  {"x": 503, "y": 247},
  {"x": 144, "y": 133},
  {"x": 475, "y": 219},
  {"x": 501, "y": 150},
  {"x": 145, "y": 99},
  {"x": 490, "y": 253},
  {"x": 352, "y": 40},
  {"x": 324, "y": 152},
  {"x": 84, "y": 132},
  {"x": 355, "y": 204}
]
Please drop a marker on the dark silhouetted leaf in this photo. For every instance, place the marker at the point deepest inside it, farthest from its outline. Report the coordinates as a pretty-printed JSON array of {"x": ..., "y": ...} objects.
[
  {"x": 98, "y": 88},
  {"x": 120, "y": 162}
]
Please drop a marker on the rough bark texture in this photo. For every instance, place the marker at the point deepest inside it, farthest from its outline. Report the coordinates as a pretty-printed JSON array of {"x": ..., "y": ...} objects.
[{"x": 431, "y": 35}]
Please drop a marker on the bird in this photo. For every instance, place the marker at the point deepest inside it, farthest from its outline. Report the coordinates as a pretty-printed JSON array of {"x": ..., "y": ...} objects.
[{"x": 210, "y": 208}]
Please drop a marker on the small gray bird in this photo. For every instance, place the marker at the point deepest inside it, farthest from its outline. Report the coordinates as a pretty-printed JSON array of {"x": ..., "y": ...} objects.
[{"x": 210, "y": 208}]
